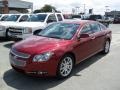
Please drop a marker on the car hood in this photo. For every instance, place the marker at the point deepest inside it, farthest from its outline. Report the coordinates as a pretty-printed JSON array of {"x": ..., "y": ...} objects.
[
  {"x": 7, "y": 23},
  {"x": 37, "y": 45},
  {"x": 29, "y": 24}
]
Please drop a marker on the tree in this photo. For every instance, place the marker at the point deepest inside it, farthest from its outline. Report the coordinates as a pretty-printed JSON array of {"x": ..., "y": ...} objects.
[
  {"x": 46, "y": 8},
  {"x": 37, "y": 11}
]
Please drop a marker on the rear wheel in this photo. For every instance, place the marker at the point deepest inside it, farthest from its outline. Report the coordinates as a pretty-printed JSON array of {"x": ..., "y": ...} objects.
[
  {"x": 65, "y": 66},
  {"x": 106, "y": 47}
]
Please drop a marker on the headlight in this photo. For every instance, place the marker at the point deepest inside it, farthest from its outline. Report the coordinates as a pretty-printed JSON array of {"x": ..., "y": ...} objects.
[
  {"x": 27, "y": 30},
  {"x": 43, "y": 57},
  {"x": 2, "y": 28}
]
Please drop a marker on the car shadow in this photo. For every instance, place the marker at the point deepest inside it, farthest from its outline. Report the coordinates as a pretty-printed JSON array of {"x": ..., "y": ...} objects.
[
  {"x": 24, "y": 82},
  {"x": 4, "y": 40},
  {"x": 8, "y": 45}
]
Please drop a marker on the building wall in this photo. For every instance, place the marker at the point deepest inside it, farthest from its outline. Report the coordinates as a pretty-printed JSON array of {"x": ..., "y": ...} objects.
[
  {"x": 10, "y": 6},
  {"x": 113, "y": 14},
  {"x": 4, "y": 6},
  {"x": 19, "y": 4}
]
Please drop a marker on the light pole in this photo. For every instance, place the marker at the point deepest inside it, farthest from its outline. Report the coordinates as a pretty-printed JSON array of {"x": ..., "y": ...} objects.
[{"x": 84, "y": 8}]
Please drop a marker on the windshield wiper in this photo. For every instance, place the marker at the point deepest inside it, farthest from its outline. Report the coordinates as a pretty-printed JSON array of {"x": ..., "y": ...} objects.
[
  {"x": 49, "y": 36},
  {"x": 54, "y": 37}
]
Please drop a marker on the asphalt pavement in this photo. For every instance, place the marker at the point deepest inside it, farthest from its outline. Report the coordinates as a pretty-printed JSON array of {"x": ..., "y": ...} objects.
[{"x": 100, "y": 72}]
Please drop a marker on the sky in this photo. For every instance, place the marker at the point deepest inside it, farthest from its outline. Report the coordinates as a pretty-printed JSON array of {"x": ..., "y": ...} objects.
[{"x": 67, "y": 5}]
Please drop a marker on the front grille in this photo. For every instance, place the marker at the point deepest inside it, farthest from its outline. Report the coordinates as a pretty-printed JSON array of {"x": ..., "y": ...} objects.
[
  {"x": 15, "y": 31},
  {"x": 14, "y": 52}
]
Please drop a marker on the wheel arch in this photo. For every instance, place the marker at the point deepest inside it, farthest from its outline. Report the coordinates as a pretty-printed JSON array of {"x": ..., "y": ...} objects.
[{"x": 72, "y": 54}]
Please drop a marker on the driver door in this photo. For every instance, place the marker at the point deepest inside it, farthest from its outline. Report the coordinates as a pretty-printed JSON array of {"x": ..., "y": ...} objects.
[{"x": 83, "y": 47}]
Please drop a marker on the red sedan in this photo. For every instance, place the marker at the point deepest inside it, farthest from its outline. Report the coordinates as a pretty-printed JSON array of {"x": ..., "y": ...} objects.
[{"x": 55, "y": 50}]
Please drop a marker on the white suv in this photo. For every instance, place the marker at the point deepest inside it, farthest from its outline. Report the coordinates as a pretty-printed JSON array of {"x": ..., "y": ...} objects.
[
  {"x": 35, "y": 24},
  {"x": 11, "y": 20}
]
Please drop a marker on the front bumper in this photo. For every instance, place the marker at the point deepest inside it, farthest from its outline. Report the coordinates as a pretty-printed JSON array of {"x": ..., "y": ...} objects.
[
  {"x": 22, "y": 36},
  {"x": 2, "y": 33},
  {"x": 48, "y": 68}
]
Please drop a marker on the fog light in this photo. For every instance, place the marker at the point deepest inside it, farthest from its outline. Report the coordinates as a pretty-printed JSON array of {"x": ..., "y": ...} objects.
[
  {"x": 41, "y": 73},
  {"x": 32, "y": 72}
]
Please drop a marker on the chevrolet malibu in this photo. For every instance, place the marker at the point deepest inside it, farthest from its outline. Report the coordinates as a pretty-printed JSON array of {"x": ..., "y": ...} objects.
[{"x": 59, "y": 47}]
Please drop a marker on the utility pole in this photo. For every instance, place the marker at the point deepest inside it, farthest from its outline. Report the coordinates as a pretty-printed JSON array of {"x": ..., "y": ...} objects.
[
  {"x": 107, "y": 8},
  {"x": 77, "y": 10},
  {"x": 114, "y": 13},
  {"x": 84, "y": 8}
]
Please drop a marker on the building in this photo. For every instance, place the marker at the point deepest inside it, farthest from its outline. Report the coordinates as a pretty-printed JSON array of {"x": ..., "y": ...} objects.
[
  {"x": 15, "y": 6},
  {"x": 113, "y": 14}
]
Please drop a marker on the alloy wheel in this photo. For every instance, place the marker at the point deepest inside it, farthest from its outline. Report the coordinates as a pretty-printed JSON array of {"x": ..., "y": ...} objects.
[{"x": 66, "y": 66}]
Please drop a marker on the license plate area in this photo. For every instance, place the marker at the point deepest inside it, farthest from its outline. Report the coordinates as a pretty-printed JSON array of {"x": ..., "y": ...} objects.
[{"x": 16, "y": 62}]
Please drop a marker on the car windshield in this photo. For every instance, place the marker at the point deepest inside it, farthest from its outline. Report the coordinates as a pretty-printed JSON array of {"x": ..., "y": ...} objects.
[
  {"x": 0, "y": 15},
  {"x": 60, "y": 30},
  {"x": 12, "y": 18},
  {"x": 4, "y": 17},
  {"x": 37, "y": 18}
]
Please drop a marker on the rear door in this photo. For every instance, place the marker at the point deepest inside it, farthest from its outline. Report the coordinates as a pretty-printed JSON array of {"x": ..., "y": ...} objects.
[{"x": 99, "y": 37}]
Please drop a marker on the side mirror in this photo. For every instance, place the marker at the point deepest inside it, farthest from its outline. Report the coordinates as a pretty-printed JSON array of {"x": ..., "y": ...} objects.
[{"x": 83, "y": 36}]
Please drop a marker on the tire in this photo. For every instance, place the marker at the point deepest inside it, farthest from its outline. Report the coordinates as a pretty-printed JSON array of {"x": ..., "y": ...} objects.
[
  {"x": 36, "y": 32},
  {"x": 106, "y": 47},
  {"x": 6, "y": 35},
  {"x": 65, "y": 66}
]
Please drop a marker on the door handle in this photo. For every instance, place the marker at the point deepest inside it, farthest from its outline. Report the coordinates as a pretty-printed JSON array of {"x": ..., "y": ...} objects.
[{"x": 93, "y": 37}]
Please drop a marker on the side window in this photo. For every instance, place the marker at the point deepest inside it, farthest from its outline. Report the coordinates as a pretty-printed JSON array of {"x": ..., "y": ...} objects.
[
  {"x": 59, "y": 17},
  {"x": 51, "y": 18},
  {"x": 86, "y": 29},
  {"x": 102, "y": 27},
  {"x": 95, "y": 27},
  {"x": 23, "y": 18},
  {"x": 4, "y": 18}
]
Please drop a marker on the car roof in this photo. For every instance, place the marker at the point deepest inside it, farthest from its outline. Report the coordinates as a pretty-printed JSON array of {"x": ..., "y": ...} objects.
[
  {"x": 78, "y": 21},
  {"x": 48, "y": 13}
]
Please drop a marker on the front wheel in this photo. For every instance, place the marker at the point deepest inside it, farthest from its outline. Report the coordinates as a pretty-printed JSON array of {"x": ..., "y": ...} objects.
[
  {"x": 65, "y": 66},
  {"x": 106, "y": 47}
]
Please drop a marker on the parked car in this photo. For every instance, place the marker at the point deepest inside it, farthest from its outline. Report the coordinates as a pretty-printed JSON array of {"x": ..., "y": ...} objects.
[
  {"x": 116, "y": 20},
  {"x": 59, "y": 47},
  {"x": 77, "y": 17},
  {"x": 100, "y": 19},
  {"x": 11, "y": 20},
  {"x": 34, "y": 25}
]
